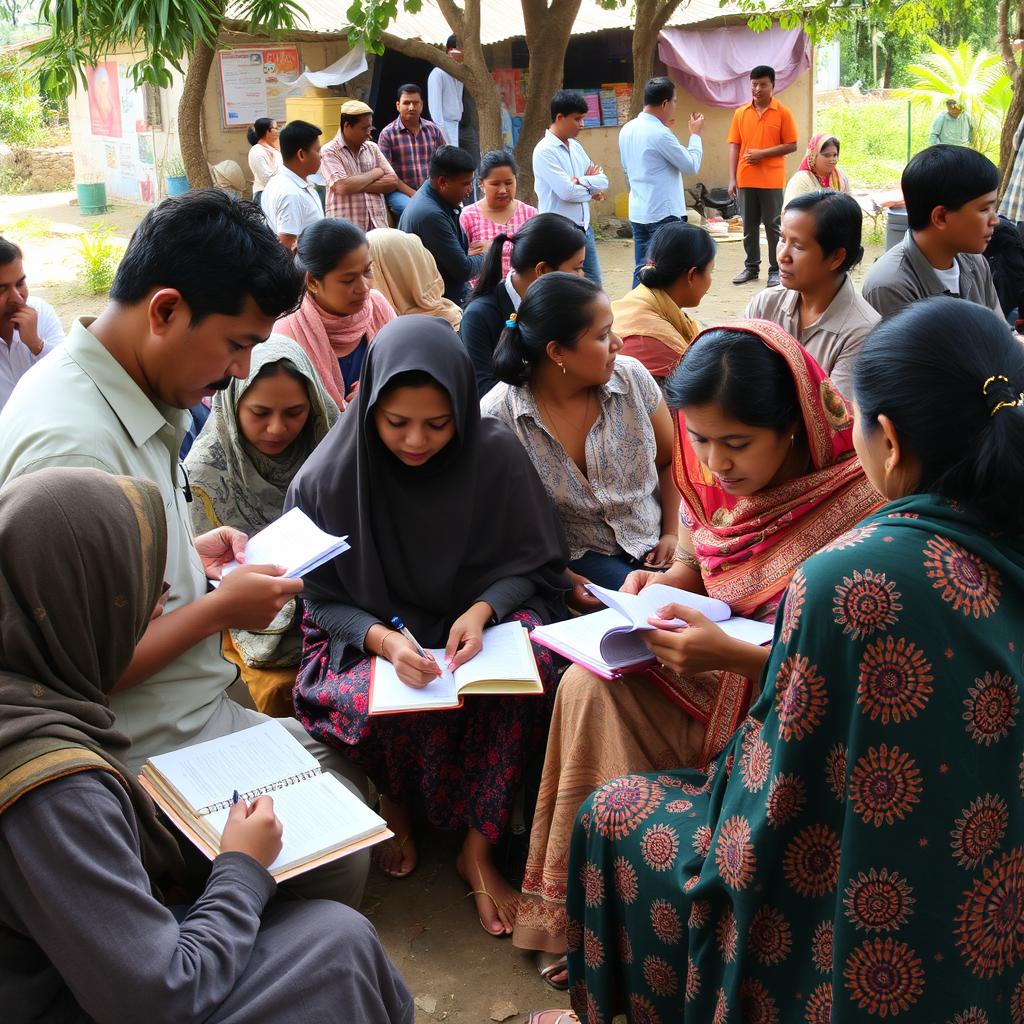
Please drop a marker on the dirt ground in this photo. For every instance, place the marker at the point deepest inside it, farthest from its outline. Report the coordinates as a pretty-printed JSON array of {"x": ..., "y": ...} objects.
[{"x": 456, "y": 972}]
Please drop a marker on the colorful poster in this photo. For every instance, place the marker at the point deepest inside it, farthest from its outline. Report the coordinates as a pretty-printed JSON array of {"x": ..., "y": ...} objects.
[
  {"x": 254, "y": 83},
  {"x": 104, "y": 100}
]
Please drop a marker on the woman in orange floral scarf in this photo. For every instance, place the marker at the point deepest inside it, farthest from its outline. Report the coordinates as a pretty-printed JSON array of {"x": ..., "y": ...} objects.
[{"x": 766, "y": 469}]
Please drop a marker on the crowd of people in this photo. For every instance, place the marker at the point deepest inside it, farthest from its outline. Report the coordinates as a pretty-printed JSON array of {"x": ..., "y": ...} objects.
[{"x": 814, "y": 829}]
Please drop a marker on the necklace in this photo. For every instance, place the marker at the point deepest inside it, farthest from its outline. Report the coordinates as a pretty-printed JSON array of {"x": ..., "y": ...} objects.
[{"x": 565, "y": 419}]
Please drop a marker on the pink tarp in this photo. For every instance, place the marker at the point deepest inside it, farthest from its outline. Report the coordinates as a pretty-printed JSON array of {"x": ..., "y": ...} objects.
[{"x": 714, "y": 66}]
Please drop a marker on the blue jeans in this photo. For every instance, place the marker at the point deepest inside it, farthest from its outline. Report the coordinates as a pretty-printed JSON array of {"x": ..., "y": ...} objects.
[
  {"x": 591, "y": 267},
  {"x": 397, "y": 202},
  {"x": 605, "y": 570},
  {"x": 642, "y": 236}
]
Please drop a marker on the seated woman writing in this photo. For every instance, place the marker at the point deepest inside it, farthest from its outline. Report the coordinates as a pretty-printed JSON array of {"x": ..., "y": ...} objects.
[
  {"x": 818, "y": 170},
  {"x": 854, "y": 852},
  {"x": 767, "y": 472},
  {"x": 816, "y": 302},
  {"x": 260, "y": 432},
  {"x": 650, "y": 319},
  {"x": 407, "y": 275},
  {"x": 341, "y": 311},
  {"x": 545, "y": 243},
  {"x": 450, "y": 531},
  {"x": 84, "y": 933},
  {"x": 595, "y": 426}
]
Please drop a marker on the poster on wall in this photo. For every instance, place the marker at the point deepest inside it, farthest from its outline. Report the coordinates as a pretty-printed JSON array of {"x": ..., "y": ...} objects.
[
  {"x": 254, "y": 83},
  {"x": 104, "y": 100}
]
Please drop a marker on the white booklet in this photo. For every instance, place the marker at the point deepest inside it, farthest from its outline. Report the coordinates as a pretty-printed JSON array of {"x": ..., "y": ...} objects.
[
  {"x": 293, "y": 541},
  {"x": 611, "y": 641},
  {"x": 322, "y": 819},
  {"x": 505, "y": 665}
]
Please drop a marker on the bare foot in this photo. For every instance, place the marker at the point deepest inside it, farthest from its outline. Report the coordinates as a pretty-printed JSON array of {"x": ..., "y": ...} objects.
[
  {"x": 396, "y": 857},
  {"x": 497, "y": 903}
]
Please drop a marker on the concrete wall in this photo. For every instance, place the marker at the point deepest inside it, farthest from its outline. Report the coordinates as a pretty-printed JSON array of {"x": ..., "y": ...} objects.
[
  {"x": 131, "y": 165},
  {"x": 602, "y": 144}
]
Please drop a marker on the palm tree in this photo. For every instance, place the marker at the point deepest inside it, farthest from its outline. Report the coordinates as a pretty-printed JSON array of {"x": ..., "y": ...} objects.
[{"x": 977, "y": 80}]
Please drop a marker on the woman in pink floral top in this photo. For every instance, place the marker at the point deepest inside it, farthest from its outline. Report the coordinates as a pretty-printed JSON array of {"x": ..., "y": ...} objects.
[{"x": 499, "y": 210}]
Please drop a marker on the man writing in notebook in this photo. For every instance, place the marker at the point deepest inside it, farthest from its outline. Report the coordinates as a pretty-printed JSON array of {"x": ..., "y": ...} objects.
[{"x": 201, "y": 283}]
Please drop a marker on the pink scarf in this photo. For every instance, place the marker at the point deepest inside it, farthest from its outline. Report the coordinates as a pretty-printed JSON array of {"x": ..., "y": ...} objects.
[{"x": 328, "y": 338}]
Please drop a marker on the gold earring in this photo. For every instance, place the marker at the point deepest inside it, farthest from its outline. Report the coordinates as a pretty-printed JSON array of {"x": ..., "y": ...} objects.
[{"x": 562, "y": 365}]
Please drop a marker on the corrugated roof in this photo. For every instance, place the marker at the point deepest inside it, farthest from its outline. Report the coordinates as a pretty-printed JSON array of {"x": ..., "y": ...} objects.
[{"x": 502, "y": 19}]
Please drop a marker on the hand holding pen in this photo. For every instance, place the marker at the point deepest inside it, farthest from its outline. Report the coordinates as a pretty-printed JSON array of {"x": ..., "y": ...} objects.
[
  {"x": 253, "y": 829},
  {"x": 413, "y": 665}
]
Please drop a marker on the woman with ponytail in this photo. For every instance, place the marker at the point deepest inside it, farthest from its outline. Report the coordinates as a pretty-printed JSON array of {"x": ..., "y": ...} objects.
[
  {"x": 815, "y": 300},
  {"x": 867, "y": 809},
  {"x": 498, "y": 212},
  {"x": 265, "y": 155},
  {"x": 596, "y": 428},
  {"x": 545, "y": 243},
  {"x": 650, "y": 319}
]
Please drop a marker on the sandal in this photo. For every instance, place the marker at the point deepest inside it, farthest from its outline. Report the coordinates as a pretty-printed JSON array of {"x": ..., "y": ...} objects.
[
  {"x": 547, "y": 970},
  {"x": 553, "y": 1017},
  {"x": 401, "y": 843},
  {"x": 482, "y": 891}
]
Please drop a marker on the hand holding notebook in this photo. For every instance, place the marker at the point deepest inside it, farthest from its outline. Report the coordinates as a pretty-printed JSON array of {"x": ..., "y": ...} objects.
[{"x": 294, "y": 542}]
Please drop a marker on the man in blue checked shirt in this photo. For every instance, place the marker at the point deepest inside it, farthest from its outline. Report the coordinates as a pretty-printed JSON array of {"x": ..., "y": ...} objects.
[
  {"x": 566, "y": 180},
  {"x": 655, "y": 161}
]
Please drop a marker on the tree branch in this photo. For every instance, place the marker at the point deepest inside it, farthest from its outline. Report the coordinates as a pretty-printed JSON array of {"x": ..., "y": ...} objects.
[
  {"x": 425, "y": 51},
  {"x": 453, "y": 14}
]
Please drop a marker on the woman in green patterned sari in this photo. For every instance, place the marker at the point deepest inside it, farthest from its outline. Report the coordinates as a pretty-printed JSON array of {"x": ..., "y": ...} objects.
[{"x": 857, "y": 849}]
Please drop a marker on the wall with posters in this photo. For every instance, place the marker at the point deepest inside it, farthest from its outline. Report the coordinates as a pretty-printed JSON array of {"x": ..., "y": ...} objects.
[{"x": 115, "y": 142}]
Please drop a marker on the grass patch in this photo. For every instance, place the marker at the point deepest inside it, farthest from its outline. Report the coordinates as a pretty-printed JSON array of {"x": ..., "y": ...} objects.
[
  {"x": 873, "y": 138},
  {"x": 29, "y": 229},
  {"x": 99, "y": 255}
]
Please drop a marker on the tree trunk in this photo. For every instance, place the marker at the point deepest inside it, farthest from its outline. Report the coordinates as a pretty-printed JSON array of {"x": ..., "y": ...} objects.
[
  {"x": 1013, "y": 69},
  {"x": 190, "y": 116},
  {"x": 547, "y": 37},
  {"x": 651, "y": 17}
]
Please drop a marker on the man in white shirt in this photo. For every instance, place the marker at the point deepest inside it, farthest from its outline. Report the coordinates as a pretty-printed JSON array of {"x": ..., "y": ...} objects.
[
  {"x": 29, "y": 327},
  {"x": 290, "y": 203},
  {"x": 445, "y": 96},
  {"x": 655, "y": 161},
  {"x": 566, "y": 180}
]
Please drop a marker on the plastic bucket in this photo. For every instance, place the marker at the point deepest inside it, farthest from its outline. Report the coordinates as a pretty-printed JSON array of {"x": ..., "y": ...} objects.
[
  {"x": 92, "y": 199},
  {"x": 895, "y": 225},
  {"x": 177, "y": 185}
]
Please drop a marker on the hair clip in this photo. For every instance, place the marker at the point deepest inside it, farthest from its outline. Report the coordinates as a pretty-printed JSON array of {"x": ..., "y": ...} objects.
[
  {"x": 989, "y": 381},
  {"x": 510, "y": 323}
]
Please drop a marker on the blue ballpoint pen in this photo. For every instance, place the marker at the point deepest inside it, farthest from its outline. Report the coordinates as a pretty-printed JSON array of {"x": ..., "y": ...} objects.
[{"x": 397, "y": 623}]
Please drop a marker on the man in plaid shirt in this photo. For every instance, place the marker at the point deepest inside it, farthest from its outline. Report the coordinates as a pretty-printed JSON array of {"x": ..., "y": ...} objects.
[
  {"x": 408, "y": 143},
  {"x": 357, "y": 174}
]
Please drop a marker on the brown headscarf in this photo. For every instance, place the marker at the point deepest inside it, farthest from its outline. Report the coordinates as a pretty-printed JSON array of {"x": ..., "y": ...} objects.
[{"x": 82, "y": 555}]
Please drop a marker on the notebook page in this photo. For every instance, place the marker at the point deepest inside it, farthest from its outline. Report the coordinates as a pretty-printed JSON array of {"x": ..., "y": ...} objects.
[
  {"x": 582, "y": 635},
  {"x": 504, "y": 656},
  {"x": 210, "y": 772},
  {"x": 318, "y": 814},
  {"x": 749, "y": 630},
  {"x": 637, "y": 608},
  {"x": 390, "y": 693},
  {"x": 294, "y": 541}
]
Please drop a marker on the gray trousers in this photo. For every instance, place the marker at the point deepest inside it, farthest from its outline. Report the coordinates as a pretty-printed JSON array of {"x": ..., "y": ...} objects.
[{"x": 760, "y": 206}]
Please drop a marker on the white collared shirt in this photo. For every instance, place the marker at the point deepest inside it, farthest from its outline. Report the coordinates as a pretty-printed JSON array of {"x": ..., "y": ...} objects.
[
  {"x": 290, "y": 204},
  {"x": 512, "y": 293},
  {"x": 654, "y": 161},
  {"x": 555, "y": 164},
  {"x": 445, "y": 103},
  {"x": 16, "y": 359}
]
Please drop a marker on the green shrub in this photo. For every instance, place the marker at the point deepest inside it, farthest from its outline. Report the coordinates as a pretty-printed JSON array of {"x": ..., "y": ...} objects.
[
  {"x": 99, "y": 256},
  {"x": 21, "y": 110}
]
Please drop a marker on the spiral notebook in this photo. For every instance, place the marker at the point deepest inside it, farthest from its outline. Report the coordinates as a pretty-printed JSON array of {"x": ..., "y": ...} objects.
[{"x": 323, "y": 821}]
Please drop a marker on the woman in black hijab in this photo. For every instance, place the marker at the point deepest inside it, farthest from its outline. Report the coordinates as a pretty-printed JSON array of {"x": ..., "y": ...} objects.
[{"x": 451, "y": 530}]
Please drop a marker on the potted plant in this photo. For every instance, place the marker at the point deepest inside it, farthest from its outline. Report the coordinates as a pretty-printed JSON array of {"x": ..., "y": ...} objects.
[
  {"x": 92, "y": 194},
  {"x": 175, "y": 176}
]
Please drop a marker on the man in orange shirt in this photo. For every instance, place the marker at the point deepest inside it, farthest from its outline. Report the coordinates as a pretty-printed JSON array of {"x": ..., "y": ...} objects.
[{"x": 761, "y": 134}]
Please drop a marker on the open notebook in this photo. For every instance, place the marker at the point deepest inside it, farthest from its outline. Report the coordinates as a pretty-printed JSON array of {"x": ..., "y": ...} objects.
[
  {"x": 611, "y": 642},
  {"x": 322, "y": 820},
  {"x": 293, "y": 541},
  {"x": 505, "y": 666}
]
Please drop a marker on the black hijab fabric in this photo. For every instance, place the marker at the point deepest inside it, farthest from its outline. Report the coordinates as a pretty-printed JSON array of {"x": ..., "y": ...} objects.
[{"x": 428, "y": 540}]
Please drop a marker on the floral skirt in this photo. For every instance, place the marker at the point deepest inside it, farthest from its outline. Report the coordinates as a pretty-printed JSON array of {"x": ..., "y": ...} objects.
[{"x": 462, "y": 768}]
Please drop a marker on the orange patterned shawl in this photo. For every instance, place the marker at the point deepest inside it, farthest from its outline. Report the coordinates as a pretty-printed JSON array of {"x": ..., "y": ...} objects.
[{"x": 748, "y": 548}]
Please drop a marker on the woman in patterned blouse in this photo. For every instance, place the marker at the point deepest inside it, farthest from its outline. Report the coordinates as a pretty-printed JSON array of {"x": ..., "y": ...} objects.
[{"x": 857, "y": 849}]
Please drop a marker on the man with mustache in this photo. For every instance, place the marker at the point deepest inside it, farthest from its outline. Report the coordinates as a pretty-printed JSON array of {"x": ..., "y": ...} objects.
[
  {"x": 201, "y": 284},
  {"x": 29, "y": 327}
]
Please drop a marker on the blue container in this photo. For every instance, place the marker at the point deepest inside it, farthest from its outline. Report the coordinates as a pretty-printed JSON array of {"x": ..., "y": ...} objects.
[{"x": 177, "y": 185}]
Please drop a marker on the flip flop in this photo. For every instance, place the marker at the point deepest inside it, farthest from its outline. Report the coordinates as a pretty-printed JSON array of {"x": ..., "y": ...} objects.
[
  {"x": 553, "y": 1017},
  {"x": 548, "y": 970},
  {"x": 401, "y": 841},
  {"x": 483, "y": 892}
]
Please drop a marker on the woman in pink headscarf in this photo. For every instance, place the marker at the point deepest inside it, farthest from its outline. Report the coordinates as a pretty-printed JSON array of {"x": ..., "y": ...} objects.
[
  {"x": 818, "y": 170},
  {"x": 341, "y": 311}
]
